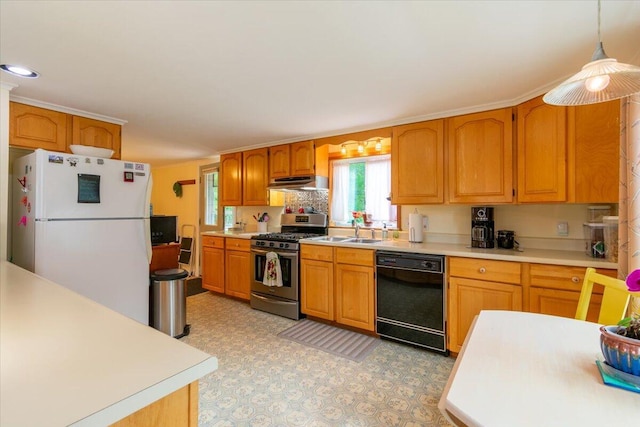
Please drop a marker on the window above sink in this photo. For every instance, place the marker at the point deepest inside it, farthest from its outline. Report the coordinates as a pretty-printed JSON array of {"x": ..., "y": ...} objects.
[{"x": 362, "y": 184}]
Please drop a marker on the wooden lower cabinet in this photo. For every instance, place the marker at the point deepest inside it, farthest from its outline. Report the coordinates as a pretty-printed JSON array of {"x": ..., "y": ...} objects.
[
  {"x": 237, "y": 268},
  {"x": 317, "y": 288},
  {"x": 475, "y": 285},
  {"x": 355, "y": 296},
  {"x": 555, "y": 290},
  {"x": 561, "y": 303},
  {"x": 467, "y": 297},
  {"x": 213, "y": 263},
  {"x": 213, "y": 269},
  {"x": 337, "y": 284},
  {"x": 179, "y": 409},
  {"x": 355, "y": 287}
]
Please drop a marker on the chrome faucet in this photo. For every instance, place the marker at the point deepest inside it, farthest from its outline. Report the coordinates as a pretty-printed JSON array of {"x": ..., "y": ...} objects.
[{"x": 357, "y": 230}]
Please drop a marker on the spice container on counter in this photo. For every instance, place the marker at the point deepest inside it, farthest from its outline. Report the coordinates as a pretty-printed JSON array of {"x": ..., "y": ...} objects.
[
  {"x": 610, "y": 238},
  {"x": 594, "y": 236}
]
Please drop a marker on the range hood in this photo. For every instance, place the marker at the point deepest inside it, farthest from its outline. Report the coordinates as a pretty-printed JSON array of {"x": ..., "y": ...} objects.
[{"x": 299, "y": 183}]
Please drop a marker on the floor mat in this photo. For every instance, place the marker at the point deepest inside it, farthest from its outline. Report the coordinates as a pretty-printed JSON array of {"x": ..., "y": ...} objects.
[
  {"x": 340, "y": 342},
  {"x": 194, "y": 286}
]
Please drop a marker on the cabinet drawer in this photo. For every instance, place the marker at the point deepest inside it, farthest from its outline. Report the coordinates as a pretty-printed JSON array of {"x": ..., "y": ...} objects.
[
  {"x": 482, "y": 269},
  {"x": 563, "y": 277},
  {"x": 354, "y": 256},
  {"x": 213, "y": 242},
  {"x": 320, "y": 253},
  {"x": 238, "y": 244}
]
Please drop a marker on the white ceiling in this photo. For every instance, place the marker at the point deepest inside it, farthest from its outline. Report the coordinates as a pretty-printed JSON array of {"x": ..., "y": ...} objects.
[{"x": 196, "y": 78}]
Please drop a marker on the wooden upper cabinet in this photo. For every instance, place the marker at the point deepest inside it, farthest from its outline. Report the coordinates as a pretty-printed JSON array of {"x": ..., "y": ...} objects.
[
  {"x": 231, "y": 179},
  {"x": 542, "y": 152},
  {"x": 417, "y": 163},
  {"x": 34, "y": 127},
  {"x": 279, "y": 164},
  {"x": 480, "y": 149},
  {"x": 255, "y": 170},
  {"x": 303, "y": 158},
  {"x": 594, "y": 152},
  {"x": 96, "y": 133}
]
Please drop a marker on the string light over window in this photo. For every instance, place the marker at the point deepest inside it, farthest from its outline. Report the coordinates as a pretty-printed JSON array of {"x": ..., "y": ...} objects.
[{"x": 361, "y": 145}]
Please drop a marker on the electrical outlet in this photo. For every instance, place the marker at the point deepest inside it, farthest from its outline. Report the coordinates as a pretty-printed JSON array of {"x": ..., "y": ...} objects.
[
  {"x": 562, "y": 228},
  {"x": 425, "y": 223}
]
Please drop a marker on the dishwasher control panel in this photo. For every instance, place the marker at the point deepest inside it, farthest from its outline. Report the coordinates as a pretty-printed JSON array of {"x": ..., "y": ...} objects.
[{"x": 411, "y": 261}]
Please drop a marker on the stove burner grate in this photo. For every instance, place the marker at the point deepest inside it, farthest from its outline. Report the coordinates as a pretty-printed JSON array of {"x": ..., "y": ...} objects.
[{"x": 285, "y": 237}]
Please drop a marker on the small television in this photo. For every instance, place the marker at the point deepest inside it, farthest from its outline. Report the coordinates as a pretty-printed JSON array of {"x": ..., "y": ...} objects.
[{"x": 163, "y": 229}]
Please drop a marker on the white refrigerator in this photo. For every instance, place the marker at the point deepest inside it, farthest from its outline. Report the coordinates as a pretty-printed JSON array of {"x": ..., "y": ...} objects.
[{"x": 83, "y": 222}]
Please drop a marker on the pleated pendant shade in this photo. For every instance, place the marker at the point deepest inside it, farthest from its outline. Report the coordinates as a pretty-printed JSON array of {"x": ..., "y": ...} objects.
[
  {"x": 619, "y": 80},
  {"x": 603, "y": 79}
]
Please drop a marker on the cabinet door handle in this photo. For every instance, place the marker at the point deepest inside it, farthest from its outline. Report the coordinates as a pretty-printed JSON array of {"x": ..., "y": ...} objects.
[
  {"x": 575, "y": 279},
  {"x": 482, "y": 270}
]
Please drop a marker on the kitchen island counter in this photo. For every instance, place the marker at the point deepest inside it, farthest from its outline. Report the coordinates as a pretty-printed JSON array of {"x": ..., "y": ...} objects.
[
  {"x": 67, "y": 360},
  {"x": 537, "y": 256}
]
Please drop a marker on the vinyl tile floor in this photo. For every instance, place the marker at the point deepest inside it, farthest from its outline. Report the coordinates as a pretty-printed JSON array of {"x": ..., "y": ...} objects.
[{"x": 265, "y": 380}]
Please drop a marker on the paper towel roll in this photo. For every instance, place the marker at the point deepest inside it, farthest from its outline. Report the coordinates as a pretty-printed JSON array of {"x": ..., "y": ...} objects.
[{"x": 415, "y": 227}]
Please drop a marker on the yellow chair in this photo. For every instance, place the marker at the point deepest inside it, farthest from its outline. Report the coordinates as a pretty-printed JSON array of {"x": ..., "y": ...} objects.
[{"x": 615, "y": 298}]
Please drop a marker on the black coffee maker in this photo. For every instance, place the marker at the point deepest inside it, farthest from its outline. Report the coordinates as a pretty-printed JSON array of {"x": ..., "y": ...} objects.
[{"x": 482, "y": 234}]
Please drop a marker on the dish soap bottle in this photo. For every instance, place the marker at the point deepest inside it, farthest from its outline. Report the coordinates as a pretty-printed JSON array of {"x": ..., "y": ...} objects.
[{"x": 385, "y": 232}]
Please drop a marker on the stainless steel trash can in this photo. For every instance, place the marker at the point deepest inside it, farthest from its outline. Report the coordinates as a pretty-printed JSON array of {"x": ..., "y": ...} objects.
[{"x": 169, "y": 302}]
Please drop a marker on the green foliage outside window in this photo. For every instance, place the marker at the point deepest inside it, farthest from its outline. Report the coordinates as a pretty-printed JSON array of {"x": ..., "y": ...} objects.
[{"x": 356, "y": 184}]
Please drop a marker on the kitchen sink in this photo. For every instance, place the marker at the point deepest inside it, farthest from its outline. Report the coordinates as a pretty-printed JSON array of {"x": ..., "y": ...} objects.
[
  {"x": 345, "y": 239},
  {"x": 362, "y": 240},
  {"x": 333, "y": 238}
]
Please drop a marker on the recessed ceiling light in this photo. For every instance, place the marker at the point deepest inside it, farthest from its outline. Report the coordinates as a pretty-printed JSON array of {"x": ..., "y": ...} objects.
[{"x": 19, "y": 71}]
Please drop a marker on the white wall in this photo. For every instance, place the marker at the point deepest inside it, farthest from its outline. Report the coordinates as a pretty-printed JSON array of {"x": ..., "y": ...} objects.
[{"x": 5, "y": 88}]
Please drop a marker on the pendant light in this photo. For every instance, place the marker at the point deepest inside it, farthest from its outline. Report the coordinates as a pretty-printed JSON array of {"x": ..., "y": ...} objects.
[{"x": 603, "y": 79}]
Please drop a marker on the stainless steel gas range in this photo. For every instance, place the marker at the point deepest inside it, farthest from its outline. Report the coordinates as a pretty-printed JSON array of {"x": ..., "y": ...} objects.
[{"x": 282, "y": 300}]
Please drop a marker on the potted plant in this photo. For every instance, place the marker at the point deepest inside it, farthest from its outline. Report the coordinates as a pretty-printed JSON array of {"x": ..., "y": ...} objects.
[{"x": 620, "y": 344}]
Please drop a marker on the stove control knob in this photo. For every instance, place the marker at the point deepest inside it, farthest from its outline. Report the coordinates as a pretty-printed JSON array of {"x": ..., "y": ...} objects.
[
  {"x": 286, "y": 245},
  {"x": 271, "y": 244}
]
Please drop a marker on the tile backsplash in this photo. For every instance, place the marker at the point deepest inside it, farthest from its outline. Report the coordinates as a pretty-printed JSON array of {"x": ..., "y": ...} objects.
[{"x": 319, "y": 200}]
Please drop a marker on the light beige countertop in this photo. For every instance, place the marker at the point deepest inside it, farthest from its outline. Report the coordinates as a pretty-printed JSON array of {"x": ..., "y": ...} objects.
[
  {"x": 234, "y": 234},
  {"x": 538, "y": 256},
  {"x": 67, "y": 360}
]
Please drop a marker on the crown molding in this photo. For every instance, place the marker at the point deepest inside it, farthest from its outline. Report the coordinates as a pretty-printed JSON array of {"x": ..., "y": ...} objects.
[{"x": 68, "y": 110}]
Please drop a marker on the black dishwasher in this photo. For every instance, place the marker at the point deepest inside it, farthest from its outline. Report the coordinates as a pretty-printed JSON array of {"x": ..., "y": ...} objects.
[{"x": 411, "y": 299}]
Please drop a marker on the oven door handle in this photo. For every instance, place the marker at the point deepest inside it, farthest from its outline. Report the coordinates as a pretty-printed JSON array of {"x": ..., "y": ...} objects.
[
  {"x": 271, "y": 300},
  {"x": 292, "y": 255}
]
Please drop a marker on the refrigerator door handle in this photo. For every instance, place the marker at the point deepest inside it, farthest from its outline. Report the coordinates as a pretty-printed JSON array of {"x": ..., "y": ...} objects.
[{"x": 147, "y": 220}]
